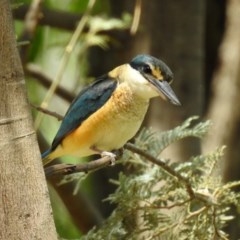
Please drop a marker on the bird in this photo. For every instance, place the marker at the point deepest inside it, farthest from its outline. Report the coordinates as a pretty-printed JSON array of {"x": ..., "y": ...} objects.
[{"x": 109, "y": 112}]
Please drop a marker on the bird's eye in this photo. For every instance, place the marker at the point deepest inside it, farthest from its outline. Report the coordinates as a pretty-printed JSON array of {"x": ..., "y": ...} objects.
[{"x": 147, "y": 69}]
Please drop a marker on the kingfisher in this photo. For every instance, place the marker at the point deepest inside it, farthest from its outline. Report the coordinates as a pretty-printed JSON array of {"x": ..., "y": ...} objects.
[{"x": 109, "y": 112}]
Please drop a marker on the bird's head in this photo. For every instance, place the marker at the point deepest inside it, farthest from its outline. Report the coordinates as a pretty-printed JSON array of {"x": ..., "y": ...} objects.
[{"x": 151, "y": 77}]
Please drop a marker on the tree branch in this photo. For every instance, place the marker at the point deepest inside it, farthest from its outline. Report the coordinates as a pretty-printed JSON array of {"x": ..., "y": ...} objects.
[
  {"x": 66, "y": 169},
  {"x": 50, "y": 17},
  {"x": 31, "y": 20},
  {"x": 34, "y": 71},
  {"x": 50, "y": 113},
  {"x": 53, "y": 18}
]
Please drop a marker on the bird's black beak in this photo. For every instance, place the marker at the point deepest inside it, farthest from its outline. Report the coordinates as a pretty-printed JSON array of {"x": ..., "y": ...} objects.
[{"x": 165, "y": 90}]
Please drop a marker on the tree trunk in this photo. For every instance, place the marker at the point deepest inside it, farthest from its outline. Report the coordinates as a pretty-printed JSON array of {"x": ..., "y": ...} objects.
[{"x": 25, "y": 211}]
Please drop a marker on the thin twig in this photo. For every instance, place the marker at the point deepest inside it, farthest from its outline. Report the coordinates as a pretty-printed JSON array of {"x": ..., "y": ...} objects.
[
  {"x": 50, "y": 113},
  {"x": 150, "y": 205},
  {"x": 32, "y": 17},
  {"x": 31, "y": 20},
  {"x": 163, "y": 165},
  {"x": 217, "y": 231},
  {"x": 223, "y": 189},
  {"x": 53, "y": 18},
  {"x": 136, "y": 17}
]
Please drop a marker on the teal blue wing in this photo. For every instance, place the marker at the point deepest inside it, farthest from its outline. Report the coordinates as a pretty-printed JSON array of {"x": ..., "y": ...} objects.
[{"x": 88, "y": 101}]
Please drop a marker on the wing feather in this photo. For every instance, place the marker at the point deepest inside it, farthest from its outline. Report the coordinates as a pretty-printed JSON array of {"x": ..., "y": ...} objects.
[{"x": 89, "y": 100}]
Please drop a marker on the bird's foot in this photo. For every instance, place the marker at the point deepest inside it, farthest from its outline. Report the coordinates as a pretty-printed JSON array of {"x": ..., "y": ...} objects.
[
  {"x": 111, "y": 155},
  {"x": 118, "y": 153}
]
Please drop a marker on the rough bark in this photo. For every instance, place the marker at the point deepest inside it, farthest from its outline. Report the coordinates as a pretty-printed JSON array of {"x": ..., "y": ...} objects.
[{"x": 25, "y": 211}]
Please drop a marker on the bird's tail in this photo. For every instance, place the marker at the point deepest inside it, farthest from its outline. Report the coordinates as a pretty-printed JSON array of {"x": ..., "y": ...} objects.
[{"x": 46, "y": 158}]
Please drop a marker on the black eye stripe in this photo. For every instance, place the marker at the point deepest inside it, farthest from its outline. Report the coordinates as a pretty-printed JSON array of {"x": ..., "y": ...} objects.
[{"x": 146, "y": 69}]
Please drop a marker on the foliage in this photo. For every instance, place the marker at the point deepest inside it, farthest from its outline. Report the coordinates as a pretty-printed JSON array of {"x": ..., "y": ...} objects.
[{"x": 152, "y": 204}]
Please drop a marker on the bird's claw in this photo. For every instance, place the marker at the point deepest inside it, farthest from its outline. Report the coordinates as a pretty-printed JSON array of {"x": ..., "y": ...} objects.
[{"x": 111, "y": 155}]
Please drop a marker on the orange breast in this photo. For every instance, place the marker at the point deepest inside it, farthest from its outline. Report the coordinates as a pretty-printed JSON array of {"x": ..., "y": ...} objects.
[{"x": 108, "y": 128}]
